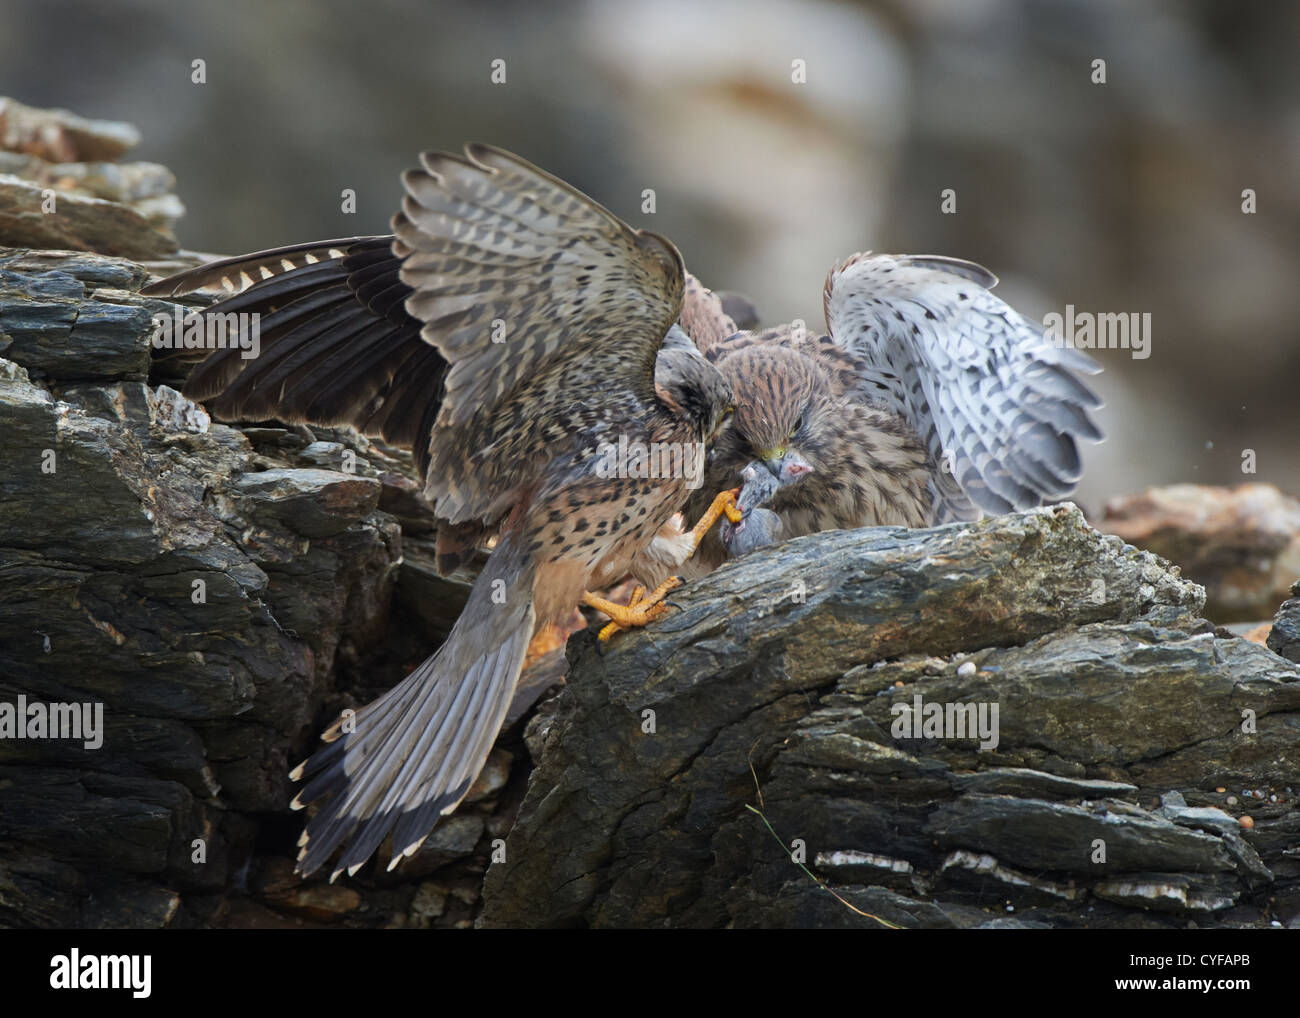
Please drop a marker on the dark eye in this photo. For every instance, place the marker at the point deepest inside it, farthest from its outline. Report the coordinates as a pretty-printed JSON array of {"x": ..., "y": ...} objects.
[{"x": 798, "y": 424}]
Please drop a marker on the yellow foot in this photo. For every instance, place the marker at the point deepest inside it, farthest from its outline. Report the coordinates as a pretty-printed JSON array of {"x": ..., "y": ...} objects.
[
  {"x": 641, "y": 610},
  {"x": 723, "y": 504}
]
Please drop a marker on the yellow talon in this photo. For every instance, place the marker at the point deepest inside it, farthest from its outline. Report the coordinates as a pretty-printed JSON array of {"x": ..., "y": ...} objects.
[
  {"x": 641, "y": 609},
  {"x": 723, "y": 505}
]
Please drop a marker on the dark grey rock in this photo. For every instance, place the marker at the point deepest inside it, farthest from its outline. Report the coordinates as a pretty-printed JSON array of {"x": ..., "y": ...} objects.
[
  {"x": 203, "y": 593},
  {"x": 774, "y": 688},
  {"x": 313, "y": 503},
  {"x": 1284, "y": 638},
  {"x": 68, "y": 317}
]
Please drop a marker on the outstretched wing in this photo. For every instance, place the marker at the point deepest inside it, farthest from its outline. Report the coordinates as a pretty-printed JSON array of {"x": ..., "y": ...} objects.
[
  {"x": 336, "y": 344},
  {"x": 998, "y": 404},
  {"x": 537, "y": 297}
]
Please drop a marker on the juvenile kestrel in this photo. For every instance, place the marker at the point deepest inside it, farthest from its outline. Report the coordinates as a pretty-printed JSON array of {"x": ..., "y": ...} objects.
[
  {"x": 511, "y": 332},
  {"x": 928, "y": 400}
]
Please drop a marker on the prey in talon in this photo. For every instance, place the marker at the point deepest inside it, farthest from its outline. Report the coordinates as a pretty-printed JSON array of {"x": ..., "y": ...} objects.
[{"x": 757, "y": 526}]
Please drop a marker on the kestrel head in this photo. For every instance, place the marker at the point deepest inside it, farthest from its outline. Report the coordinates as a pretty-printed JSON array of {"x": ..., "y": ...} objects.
[
  {"x": 691, "y": 386},
  {"x": 785, "y": 415}
]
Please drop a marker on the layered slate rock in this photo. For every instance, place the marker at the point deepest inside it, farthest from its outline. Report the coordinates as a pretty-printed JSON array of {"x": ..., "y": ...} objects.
[
  {"x": 1284, "y": 637},
  {"x": 159, "y": 565},
  {"x": 686, "y": 774}
]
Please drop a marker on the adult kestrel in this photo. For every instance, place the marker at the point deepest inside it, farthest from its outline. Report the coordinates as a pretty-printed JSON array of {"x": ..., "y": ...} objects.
[
  {"x": 928, "y": 400},
  {"x": 511, "y": 332}
]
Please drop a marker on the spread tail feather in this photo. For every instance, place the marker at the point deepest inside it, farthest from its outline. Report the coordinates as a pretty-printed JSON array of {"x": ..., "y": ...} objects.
[{"x": 411, "y": 755}]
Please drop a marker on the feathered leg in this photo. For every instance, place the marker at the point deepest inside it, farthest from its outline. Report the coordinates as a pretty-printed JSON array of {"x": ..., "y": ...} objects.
[{"x": 642, "y": 608}]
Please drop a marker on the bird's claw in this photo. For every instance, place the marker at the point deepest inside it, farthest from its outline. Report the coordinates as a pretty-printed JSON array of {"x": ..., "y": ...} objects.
[
  {"x": 641, "y": 609},
  {"x": 730, "y": 508},
  {"x": 724, "y": 504}
]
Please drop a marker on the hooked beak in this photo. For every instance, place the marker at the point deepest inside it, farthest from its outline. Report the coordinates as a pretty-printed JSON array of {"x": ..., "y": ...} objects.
[{"x": 786, "y": 466}]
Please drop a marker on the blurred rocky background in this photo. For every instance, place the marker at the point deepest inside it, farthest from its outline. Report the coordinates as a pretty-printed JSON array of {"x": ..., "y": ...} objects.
[{"x": 1116, "y": 197}]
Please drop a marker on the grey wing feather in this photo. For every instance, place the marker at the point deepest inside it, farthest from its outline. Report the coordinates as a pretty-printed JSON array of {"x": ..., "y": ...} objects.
[
  {"x": 1000, "y": 407},
  {"x": 413, "y": 754}
]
